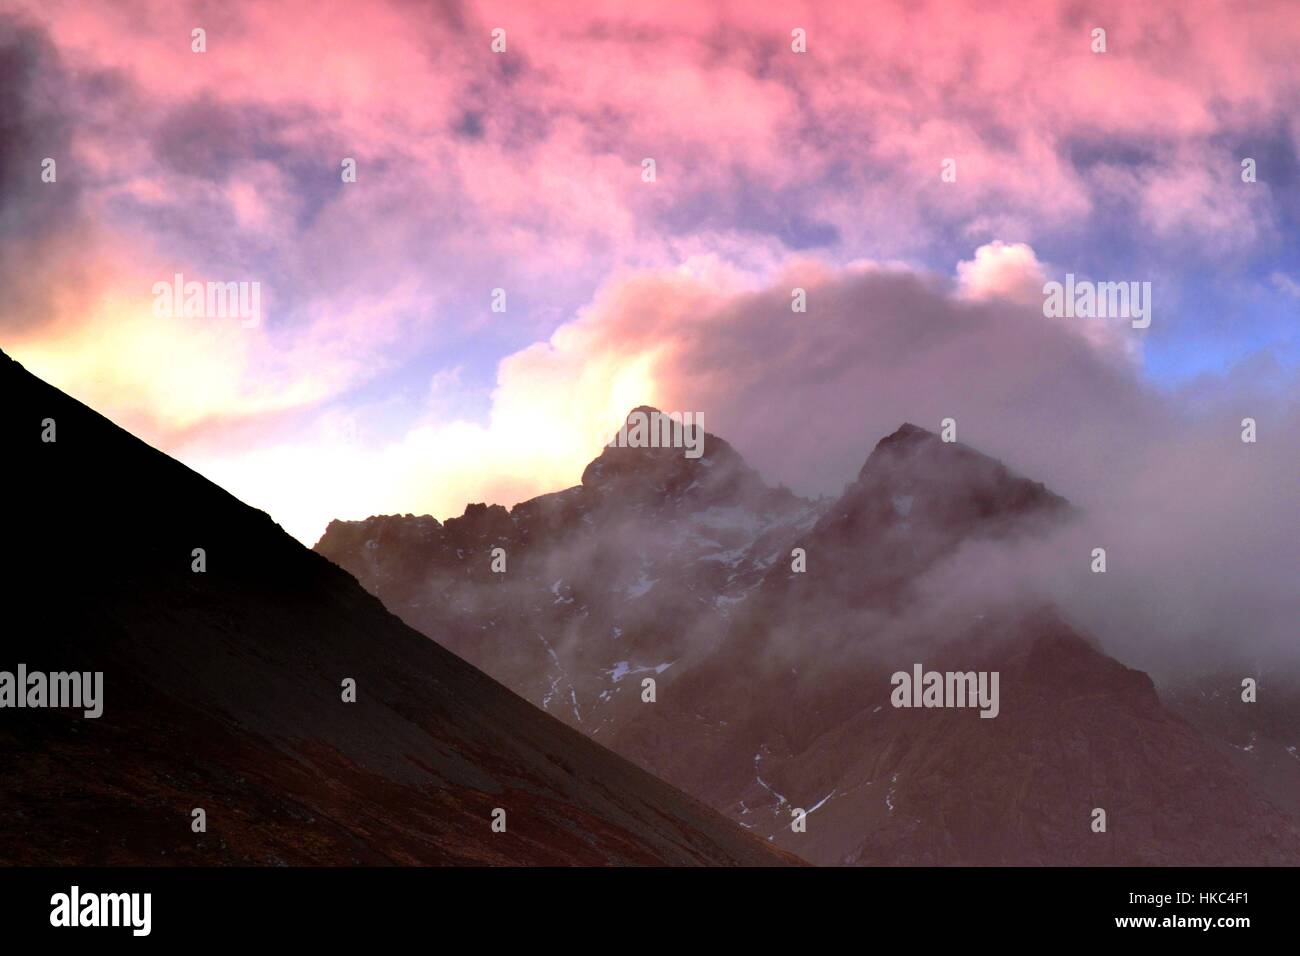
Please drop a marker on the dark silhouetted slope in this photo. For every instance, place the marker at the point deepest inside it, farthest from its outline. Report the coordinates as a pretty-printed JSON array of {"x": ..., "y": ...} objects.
[{"x": 222, "y": 691}]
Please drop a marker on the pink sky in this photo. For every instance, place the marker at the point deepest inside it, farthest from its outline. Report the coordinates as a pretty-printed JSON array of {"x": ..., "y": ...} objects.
[{"x": 381, "y": 381}]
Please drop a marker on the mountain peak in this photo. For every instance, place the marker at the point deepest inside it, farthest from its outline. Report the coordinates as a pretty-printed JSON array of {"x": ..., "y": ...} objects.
[
  {"x": 958, "y": 488},
  {"x": 666, "y": 459},
  {"x": 917, "y": 498},
  {"x": 906, "y": 434}
]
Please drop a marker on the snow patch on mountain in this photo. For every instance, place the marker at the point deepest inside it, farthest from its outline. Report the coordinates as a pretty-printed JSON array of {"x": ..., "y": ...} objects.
[{"x": 622, "y": 669}]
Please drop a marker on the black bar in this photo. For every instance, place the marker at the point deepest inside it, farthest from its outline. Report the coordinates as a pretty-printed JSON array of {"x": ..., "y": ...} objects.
[{"x": 596, "y": 908}]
